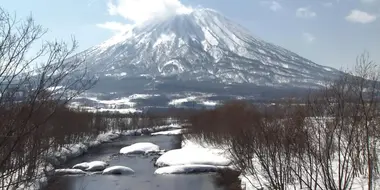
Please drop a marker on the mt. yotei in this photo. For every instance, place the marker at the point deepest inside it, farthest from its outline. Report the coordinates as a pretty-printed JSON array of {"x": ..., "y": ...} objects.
[{"x": 202, "y": 45}]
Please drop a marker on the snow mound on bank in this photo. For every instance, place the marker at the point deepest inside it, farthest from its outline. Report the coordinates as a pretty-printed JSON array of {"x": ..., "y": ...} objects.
[
  {"x": 108, "y": 137},
  {"x": 171, "y": 132},
  {"x": 69, "y": 172},
  {"x": 91, "y": 166},
  {"x": 81, "y": 166},
  {"x": 186, "y": 156},
  {"x": 187, "y": 169},
  {"x": 174, "y": 126},
  {"x": 119, "y": 170},
  {"x": 140, "y": 148},
  {"x": 74, "y": 150}
]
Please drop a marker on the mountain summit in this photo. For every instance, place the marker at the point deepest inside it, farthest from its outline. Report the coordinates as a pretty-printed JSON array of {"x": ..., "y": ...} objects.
[{"x": 203, "y": 45}]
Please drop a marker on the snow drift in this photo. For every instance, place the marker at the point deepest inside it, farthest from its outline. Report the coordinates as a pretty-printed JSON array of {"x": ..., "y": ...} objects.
[
  {"x": 118, "y": 170},
  {"x": 91, "y": 166},
  {"x": 187, "y": 169},
  {"x": 140, "y": 148}
]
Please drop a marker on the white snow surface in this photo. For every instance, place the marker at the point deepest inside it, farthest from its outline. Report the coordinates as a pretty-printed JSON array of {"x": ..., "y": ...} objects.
[
  {"x": 210, "y": 103},
  {"x": 116, "y": 110},
  {"x": 178, "y": 161},
  {"x": 55, "y": 88},
  {"x": 182, "y": 100},
  {"x": 187, "y": 169},
  {"x": 122, "y": 101},
  {"x": 119, "y": 170},
  {"x": 199, "y": 99},
  {"x": 91, "y": 166},
  {"x": 69, "y": 171},
  {"x": 114, "y": 40},
  {"x": 164, "y": 38},
  {"x": 250, "y": 182},
  {"x": 81, "y": 166},
  {"x": 140, "y": 148},
  {"x": 193, "y": 153},
  {"x": 171, "y": 132},
  {"x": 122, "y": 105}
]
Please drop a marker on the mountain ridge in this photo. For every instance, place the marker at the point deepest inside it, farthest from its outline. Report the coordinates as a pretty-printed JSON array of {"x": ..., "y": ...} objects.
[{"x": 203, "y": 45}]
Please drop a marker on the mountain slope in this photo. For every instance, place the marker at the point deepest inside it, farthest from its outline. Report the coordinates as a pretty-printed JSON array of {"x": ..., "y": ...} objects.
[{"x": 203, "y": 46}]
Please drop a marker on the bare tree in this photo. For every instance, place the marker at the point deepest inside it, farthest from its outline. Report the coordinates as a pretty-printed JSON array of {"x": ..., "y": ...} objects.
[
  {"x": 32, "y": 88},
  {"x": 327, "y": 143},
  {"x": 342, "y": 130},
  {"x": 367, "y": 88}
]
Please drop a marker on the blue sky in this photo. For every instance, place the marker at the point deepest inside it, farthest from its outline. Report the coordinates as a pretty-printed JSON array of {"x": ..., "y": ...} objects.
[{"x": 329, "y": 32}]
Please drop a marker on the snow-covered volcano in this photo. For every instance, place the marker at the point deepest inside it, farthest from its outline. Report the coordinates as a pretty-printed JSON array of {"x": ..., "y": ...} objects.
[{"x": 203, "y": 46}]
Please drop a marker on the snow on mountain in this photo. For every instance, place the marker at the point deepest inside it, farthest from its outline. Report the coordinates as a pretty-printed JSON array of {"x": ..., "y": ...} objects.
[{"x": 203, "y": 45}]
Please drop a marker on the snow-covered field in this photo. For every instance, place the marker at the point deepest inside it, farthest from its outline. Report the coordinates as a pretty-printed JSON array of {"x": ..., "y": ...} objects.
[
  {"x": 129, "y": 104},
  {"x": 128, "y": 101},
  {"x": 210, "y": 158},
  {"x": 196, "y": 156},
  {"x": 199, "y": 99},
  {"x": 120, "y": 105}
]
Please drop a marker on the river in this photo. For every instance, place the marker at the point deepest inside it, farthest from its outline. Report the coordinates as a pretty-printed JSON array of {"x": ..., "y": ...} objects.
[{"x": 143, "y": 179}]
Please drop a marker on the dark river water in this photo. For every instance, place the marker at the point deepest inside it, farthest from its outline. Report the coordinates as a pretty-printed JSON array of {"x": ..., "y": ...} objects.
[{"x": 143, "y": 179}]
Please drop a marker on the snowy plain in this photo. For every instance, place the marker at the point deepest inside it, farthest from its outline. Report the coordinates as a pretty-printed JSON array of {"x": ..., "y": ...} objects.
[
  {"x": 209, "y": 156},
  {"x": 196, "y": 156}
]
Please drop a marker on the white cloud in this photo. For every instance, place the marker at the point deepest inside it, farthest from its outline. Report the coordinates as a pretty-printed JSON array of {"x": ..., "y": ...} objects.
[
  {"x": 358, "y": 16},
  {"x": 140, "y": 11},
  {"x": 368, "y": 1},
  {"x": 305, "y": 12},
  {"x": 90, "y": 2},
  {"x": 327, "y": 4},
  {"x": 273, "y": 5},
  {"x": 115, "y": 26},
  {"x": 308, "y": 37}
]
